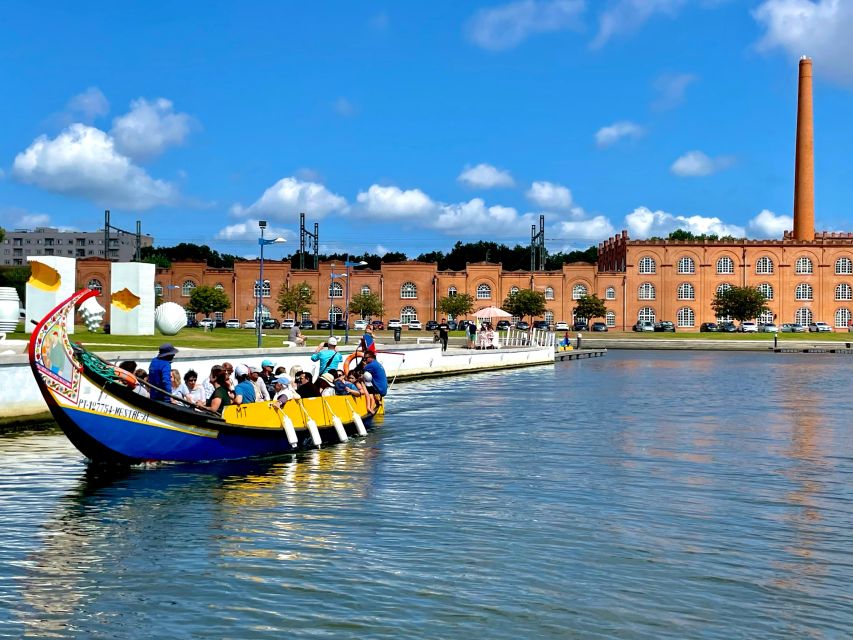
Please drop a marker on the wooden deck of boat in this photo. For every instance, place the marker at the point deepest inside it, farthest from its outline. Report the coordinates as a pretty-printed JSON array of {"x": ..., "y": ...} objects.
[{"x": 577, "y": 354}]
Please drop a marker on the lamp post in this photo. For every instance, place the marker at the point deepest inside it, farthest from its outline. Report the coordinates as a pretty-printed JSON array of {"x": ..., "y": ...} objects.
[
  {"x": 260, "y": 288},
  {"x": 349, "y": 265},
  {"x": 333, "y": 276}
]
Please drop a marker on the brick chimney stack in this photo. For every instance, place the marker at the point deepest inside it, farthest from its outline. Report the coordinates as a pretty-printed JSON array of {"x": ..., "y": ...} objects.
[{"x": 804, "y": 170}]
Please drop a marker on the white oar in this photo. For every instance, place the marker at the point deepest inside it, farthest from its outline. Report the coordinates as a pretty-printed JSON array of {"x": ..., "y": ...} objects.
[
  {"x": 312, "y": 426},
  {"x": 359, "y": 424},
  {"x": 336, "y": 421}
]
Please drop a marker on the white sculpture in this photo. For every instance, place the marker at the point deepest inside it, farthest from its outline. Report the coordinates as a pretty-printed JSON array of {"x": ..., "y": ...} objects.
[
  {"x": 92, "y": 314},
  {"x": 169, "y": 318},
  {"x": 132, "y": 299},
  {"x": 51, "y": 282},
  {"x": 10, "y": 308}
]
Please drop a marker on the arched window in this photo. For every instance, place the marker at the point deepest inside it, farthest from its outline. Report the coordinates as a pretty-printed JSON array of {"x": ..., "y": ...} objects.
[
  {"x": 578, "y": 291},
  {"x": 803, "y": 292},
  {"x": 408, "y": 291},
  {"x": 610, "y": 319},
  {"x": 844, "y": 292},
  {"x": 646, "y": 314},
  {"x": 218, "y": 286},
  {"x": 766, "y": 290},
  {"x": 610, "y": 293},
  {"x": 725, "y": 265},
  {"x": 187, "y": 288},
  {"x": 842, "y": 318},
  {"x": 513, "y": 291},
  {"x": 764, "y": 265},
  {"x": 451, "y": 291},
  {"x": 484, "y": 292},
  {"x": 648, "y": 265},
  {"x": 804, "y": 265},
  {"x": 803, "y": 316},
  {"x": 365, "y": 290},
  {"x": 407, "y": 314},
  {"x": 723, "y": 287},
  {"x": 646, "y": 291},
  {"x": 95, "y": 284},
  {"x": 766, "y": 316},
  {"x": 306, "y": 315},
  {"x": 549, "y": 293},
  {"x": 336, "y": 290},
  {"x": 686, "y": 265},
  {"x": 685, "y": 317},
  {"x": 844, "y": 267},
  {"x": 264, "y": 290},
  {"x": 335, "y": 313},
  {"x": 158, "y": 290},
  {"x": 686, "y": 291}
]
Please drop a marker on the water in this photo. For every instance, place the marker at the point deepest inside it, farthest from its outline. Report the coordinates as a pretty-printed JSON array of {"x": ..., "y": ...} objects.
[{"x": 640, "y": 495}]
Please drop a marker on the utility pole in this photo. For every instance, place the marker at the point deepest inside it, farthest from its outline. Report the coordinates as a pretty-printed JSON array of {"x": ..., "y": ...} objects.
[
  {"x": 313, "y": 240},
  {"x": 138, "y": 234}
]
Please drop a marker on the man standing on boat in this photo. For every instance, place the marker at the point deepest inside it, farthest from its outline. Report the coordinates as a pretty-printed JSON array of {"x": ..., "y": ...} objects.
[
  {"x": 377, "y": 372},
  {"x": 160, "y": 372},
  {"x": 328, "y": 356}
]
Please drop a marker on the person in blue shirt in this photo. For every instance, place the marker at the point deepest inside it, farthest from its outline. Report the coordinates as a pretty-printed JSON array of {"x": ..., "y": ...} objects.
[
  {"x": 245, "y": 390},
  {"x": 328, "y": 356},
  {"x": 377, "y": 372},
  {"x": 160, "y": 372}
]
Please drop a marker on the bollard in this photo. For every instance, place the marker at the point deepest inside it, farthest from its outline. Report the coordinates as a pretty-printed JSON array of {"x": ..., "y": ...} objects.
[
  {"x": 397, "y": 332},
  {"x": 579, "y": 340},
  {"x": 775, "y": 340}
]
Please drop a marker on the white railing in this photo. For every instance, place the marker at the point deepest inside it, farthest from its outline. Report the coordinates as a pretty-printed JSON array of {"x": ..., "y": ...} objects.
[{"x": 520, "y": 338}]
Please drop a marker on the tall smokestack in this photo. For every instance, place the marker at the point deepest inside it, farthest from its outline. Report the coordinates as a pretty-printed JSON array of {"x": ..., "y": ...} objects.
[{"x": 804, "y": 172}]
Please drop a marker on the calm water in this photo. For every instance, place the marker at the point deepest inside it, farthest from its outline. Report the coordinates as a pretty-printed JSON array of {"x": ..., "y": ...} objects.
[{"x": 640, "y": 495}]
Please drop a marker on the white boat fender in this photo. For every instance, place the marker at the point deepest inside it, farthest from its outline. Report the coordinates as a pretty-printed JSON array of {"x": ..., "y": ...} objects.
[
  {"x": 359, "y": 424},
  {"x": 314, "y": 431},
  {"x": 339, "y": 428},
  {"x": 289, "y": 430}
]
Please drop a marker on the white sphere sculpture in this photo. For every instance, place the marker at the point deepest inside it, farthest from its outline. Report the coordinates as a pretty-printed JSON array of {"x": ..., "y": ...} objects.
[
  {"x": 169, "y": 318},
  {"x": 92, "y": 314}
]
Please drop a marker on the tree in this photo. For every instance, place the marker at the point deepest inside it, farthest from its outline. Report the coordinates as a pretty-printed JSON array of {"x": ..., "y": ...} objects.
[
  {"x": 589, "y": 307},
  {"x": 456, "y": 306},
  {"x": 740, "y": 303},
  {"x": 187, "y": 251},
  {"x": 208, "y": 300},
  {"x": 295, "y": 299},
  {"x": 367, "y": 305},
  {"x": 525, "y": 302}
]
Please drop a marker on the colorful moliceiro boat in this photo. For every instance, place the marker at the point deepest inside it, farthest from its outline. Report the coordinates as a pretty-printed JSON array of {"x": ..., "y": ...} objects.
[{"x": 97, "y": 408}]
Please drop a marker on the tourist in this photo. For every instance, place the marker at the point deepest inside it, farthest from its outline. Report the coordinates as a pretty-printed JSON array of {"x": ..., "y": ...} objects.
[
  {"x": 129, "y": 366},
  {"x": 267, "y": 375},
  {"x": 282, "y": 390},
  {"x": 368, "y": 343},
  {"x": 326, "y": 385},
  {"x": 176, "y": 381},
  {"x": 142, "y": 377},
  {"x": 244, "y": 392},
  {"x": 295, "y": 336},
  {"x": 191, "y": 391},
  {"x": 305, "y": 388},
  {"x": 344, "y": 387},
  {"x": 471, "y": 330},
  {"x": 377, "y": 373},
  {"x": 207, "y": 384},
  {"x": 221, "y": 397},
  {"x": 160, "y": 372},
  {"x": 229, "y": 370},
  {"x": 328, "y": 356},
  {"x": 261, "y": 391},
  {"x": 443, "y": 334}
]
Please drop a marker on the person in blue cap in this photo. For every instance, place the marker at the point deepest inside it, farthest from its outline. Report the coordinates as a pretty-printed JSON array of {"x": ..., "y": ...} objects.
[
  {"x": 160, "y": 372},
  {"x": 267, "y": 376}
]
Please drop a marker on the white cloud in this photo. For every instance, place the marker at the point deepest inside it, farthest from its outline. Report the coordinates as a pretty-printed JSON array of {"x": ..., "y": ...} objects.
[
  {"x": 610, "y": 135},
  {"x": 550, "y": 195},
  {"x": 816, "y": 28},
  {"x": 248, "y": 231},
  {"x": 83, "y": 161},
  {"x": 290, "y": 196},
  {"x": 696, "y": 163},
  {"x": 394, "y": 203},
  {"x": 768, "y": 225},
  {"x": 473, "y": 217},
  {"x": 508, "y": 25},
  {"x": 149, "y": 128},
  {"x": 380, "y": 250},
  {"x": 345, "y": 108},
  {"x": 595, "y": 229},
  {"x": 19, "y": 218},
  {"x": 485, "y": 176},
  {"x": 671, "y": 88},
  {"x": 643, "y": 223},
  {"x": 628, "y": 16},
  {"x": 88, "y": 105}
]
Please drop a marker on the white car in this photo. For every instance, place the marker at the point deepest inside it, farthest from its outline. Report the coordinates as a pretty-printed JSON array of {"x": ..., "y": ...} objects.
[
  {"x": 748, "y": 327},
  {"x": 207, "y": 322},
  {"x": 394, "y": 324},
  {"x": 561, "y": 326},
  {"x": 250, "y": 324},
  {"x": 415, "y": 325},
  {"x": 819, "y": 326},
  {"x": 288, "y": 323},
  {"x": 360, "y": 325},
  {"x": 233, "y": 323}
]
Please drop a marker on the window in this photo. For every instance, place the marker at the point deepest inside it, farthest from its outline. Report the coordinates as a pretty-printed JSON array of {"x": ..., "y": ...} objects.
[
  {"x": 610, "y": 319},
  {"x": 610, "y": 293},
  {"x": 408, "y": 290},
  {"x": 190, "y": 314},
  {"x": 646, "y": 291},
  {"x": 764, "y": 265},
  {"x": 549, "y": 293},
  {"x": 686, "y": 292},
  {"x": 187, "y": 288},
  {"x": 365, "y": 290},
  {"x": 336, "y": 290},
  {"x": 335, "y": 313},
  {"x": 725, "y": 286},
  {"x": 803, "y": 316},
  {"x": 578, "y": 291},
  {"x": 803, "y": 292},
  {"x": 264, "y": 289},
  {"x": 766, "y": 290},
  {"x": 306, "y": 315},
  {"x": 549, "y": 317},
  {"x": 95, "y": 284},
  {"x": 219, "y": 316},
  {"x": 844, "y": 292},
  {"x": 484, "y": 292},
  {"x": 451, "y": 291},
  {"x": 648, "y": 265},
  {"x": 513, "y": 291},
  {"x": 842, "y": 318},
  {"x": 218, "y": 286},
  {"x": 685, "y": 317},
  {"x": 686, "y": 265},
  {"x": 408, "y": 314},
  {"x": 646, "y": 314},
  {"x": 766, "y": 316},
  {"x": 844, "y": 267},
  {"x": 804, "y": 265},
  {"x": 158, "y": 290}
]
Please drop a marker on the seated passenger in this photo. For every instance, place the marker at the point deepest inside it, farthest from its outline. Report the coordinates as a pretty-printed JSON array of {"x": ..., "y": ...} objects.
[
  {"x": 244, "y": 392},
  {"x": 283, "y": 392},
  {"x": 221, "y": 397},
  {"x": 305, "y": 388},
  {"x": 326, "y": 385}
]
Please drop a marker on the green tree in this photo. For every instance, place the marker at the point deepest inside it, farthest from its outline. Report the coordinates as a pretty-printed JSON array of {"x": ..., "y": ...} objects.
[
  {"x": 589, "y": 307},
  {"x": 208, "y": 300},
  {"x": 367, "y": 305},
  {"x": 187, "y": 251},
  {"x": 456, "y": 306},
  {"x": 741, "y": 303},
  {"x": 525, "y": 302},
  {"x": 17, "y": 277},
  {"x": 295, "y": 299}
]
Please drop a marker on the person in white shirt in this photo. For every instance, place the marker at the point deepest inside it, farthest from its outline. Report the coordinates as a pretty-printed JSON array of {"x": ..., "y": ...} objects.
[
  {"x": 261, "y": 391},
  {"x": 191, "y": 391},
  {"x": 283, "y": 390}
]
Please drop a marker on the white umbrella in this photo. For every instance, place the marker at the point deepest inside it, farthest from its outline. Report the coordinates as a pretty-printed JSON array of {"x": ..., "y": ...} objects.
[{"x": 491, "y": 312}]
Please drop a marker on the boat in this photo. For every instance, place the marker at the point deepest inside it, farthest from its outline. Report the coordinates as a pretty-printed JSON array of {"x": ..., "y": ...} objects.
[{"x": 96, "y": 406}]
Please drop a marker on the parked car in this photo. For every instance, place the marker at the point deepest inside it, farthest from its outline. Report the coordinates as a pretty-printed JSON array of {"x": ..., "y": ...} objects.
[
  {"x": 708, "y": 326},
  {"x": 748, "y": 327},
  {"x": 819, "y": 326},
  {"x": 324, "y": 324},
  {"x": 431, "y": 325},
  {"x": 727, "y": 327},
  {"x": 580, "y": 325},
  {"x": 664, "y": 326},
  {"x": 792, "y": 327},
  {"x": 768, "y": 327},
  {"x": 561, "y": 326},
  {"x": 207, "y": 323},
  {"x": 462, "y": 325},
  {"x": 503, "y": 325},
  {"x": 540, "y": 324},
  {"x": 341, "y": 324},
  {"x": 394, "y": 324},
  {"x": 644, "y": 325},
  {"x": 288, "y": 323},
  {"x": 220, "y": 324},
  {"x": 521, "y": 324},
  {"x": 415, "y": 325},
  {"x": 599, "y": 326},
  {"x": 360, "y": 325},
  {"x": 306, "y": 324},
  {"x": 378, "y": 325},
  {"x": 192, "y": 323},
  {"x": 269, "y": 323},
  {"x": 452, "y": 325},
  {"x": 250, "y": 324},
  {"x": 233, "y": 323}
]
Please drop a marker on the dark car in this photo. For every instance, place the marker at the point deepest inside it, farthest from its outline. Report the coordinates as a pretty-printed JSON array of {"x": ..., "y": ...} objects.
[
  {"x": 727, "y": 327},
  {"x": 521, "y": 324},
  {"x": 599, "y": 326},
  {"x": 378, "y": 325},
  {"x": 431, "y": 325},
  {"x": 220, "y": 324},
  {"x": 665, "y": 325},
  {"x": 503, "y": 325},
  {"x": 324, "y": 324},
  {"x": 540, "y": 324},
  {"x": 708, "y": 326},
  {"x": 580, "y": 325},
  {"x": 192, "y": 323},
  {"x": 462, "y": 325},
  {"x": 341, "y": 324},
  {"x": 306, "y": 324},
  {"x": 269, "y": 323},
  {"x": 452, "y": 325}
]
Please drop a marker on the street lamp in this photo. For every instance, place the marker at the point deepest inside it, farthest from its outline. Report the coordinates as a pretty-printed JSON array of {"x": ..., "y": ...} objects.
[
  {"x": 349, "y": 265},
  {"x": 262, "y": 242},
  {"x": 333, "y": 276}
]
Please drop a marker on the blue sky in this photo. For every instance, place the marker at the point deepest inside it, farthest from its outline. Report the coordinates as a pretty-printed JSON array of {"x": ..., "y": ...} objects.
[{"x": 409, "y": 126}]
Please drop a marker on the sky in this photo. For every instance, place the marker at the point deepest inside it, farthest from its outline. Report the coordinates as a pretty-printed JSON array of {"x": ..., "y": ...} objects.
[{"x": 411, "y": 126}]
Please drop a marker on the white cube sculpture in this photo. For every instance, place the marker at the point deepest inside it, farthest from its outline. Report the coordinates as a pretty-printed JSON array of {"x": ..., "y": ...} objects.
[
  {"x": 132, "y": 299},
  {"x": 52, "y": 281}
]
